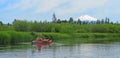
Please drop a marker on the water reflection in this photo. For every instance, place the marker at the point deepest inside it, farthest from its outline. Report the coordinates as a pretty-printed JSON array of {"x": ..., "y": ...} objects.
[{"x": 62, "y": 51}]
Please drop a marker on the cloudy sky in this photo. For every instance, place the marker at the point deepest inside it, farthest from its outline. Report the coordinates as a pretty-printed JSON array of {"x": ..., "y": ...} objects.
[{"x": 42, "y": 10}]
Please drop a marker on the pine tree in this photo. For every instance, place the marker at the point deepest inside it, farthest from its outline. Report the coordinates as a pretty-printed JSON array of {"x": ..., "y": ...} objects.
[
  {"x": 98, "y": 21},
  {"x": 79, "y": 21},
  {"x": 1, "y": 23},
  {"x": 107, "y": 20},
  {"x": 71, "y": 20},
  {"x": 58, "y": 21},
  {"x": 102, "y": 21},
  {"x": 54, "y": 18}
]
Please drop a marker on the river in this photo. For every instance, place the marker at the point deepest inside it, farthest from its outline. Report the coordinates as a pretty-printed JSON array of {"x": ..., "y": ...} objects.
[{"x": 62, "y": 51}]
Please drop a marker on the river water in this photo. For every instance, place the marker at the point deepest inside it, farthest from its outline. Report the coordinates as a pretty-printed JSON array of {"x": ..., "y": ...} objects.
[{"x": 62, "y": 51}]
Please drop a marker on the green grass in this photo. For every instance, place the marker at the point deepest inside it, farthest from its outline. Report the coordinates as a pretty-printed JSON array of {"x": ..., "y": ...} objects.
[
  {"x": 76, "y": 38},
  {"x": 13, "y": 37}
]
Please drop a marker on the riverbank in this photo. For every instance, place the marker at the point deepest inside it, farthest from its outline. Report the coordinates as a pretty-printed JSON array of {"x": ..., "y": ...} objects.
[
  {"x": 13, "y": 37},
  {"x": 76, "y": 38}
]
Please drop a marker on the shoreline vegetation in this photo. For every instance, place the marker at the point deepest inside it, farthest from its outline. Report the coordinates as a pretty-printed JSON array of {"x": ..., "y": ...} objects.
[
  {"x": 67, "y": 32},
  {"x": 13, "y": 37}
]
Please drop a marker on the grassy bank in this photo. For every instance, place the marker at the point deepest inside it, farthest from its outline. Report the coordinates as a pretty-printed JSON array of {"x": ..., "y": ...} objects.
[
  {"x": 84, "y": 37},
  {"x": 12, "y": 37}
]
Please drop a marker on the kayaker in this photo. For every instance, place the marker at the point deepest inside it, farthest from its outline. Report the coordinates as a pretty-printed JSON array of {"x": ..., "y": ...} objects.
[
  {"x": 47, "y": 39},
  {"x": 39, "y": 38}
]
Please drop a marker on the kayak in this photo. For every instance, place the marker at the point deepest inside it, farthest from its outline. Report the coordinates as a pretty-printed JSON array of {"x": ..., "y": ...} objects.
[{"x": 41, "y": 42}]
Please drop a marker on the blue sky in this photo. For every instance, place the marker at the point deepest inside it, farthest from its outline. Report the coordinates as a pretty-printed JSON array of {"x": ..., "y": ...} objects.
[{"x": 42, "y": 10}]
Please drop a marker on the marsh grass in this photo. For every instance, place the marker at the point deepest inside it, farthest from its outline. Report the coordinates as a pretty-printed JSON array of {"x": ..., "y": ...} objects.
[
  {"x": 13, "y": 37},
  {"x": 77, "y": 38}
]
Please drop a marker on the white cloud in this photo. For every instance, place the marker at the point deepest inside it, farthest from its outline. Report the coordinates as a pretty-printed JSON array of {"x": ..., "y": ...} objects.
[
  {"x": 47, "y": 5},
  {"x": 81, "y": 5},
  {"x": 59, "y": 6},
  {"x": 38, "y": 5}
]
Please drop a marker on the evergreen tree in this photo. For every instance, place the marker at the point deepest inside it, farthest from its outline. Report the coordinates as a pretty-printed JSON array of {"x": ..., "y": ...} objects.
[
  {"x": 79, "y": 21},
  {"x": 107, "y": 20},
  {"x": 8, "y": 24},
  {"x": 54, "y": 18},
  {"x": 111, "y": 23},
  {"x": 14, "y": 20},
  {"x": 83, "y": 22},
  {"x": 35, "y": 21},
  {"x": 98, "y": 22},
  {"x": 58, "y": 21},
  {"x": 117, "y": 22},
  {"x": 64, "y": 21},
  {"x": 71, "y": 20},
  {"x": 1, "y": 23},
  {"x": 102, "y": 21}
]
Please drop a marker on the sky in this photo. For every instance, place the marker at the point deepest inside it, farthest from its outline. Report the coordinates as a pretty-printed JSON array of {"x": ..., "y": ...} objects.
[{"x": 42, "y": 10}]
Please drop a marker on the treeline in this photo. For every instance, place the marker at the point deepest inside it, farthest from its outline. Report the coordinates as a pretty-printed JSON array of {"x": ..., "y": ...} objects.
[
  {"x": 71, "y": 20},
  {"x": 79, "y": 21},
  {"x": 65, "y": 27},
  {"x": 25, "y": 26}
]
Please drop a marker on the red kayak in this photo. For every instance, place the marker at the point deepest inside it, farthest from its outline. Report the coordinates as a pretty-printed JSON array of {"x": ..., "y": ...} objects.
[{"x": 41, "y": 42}]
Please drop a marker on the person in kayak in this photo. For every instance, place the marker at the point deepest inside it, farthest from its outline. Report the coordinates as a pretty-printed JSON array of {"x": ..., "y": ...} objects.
[{"x": 39, "y": 38}]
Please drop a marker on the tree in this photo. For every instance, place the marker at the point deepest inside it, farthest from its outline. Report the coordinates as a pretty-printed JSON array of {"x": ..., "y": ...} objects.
[
  {"x": 36, "y": 26},
  {"x": 20, "y": 25},
  {"x": 71, "y": 20},
  {"x": 64, "y": 21},
  {"x": 58, "y": 21},
  {"x": 107, "y": 20},
  {"x": 98, "y": 22},
  {"x": 1, "y": 23},
  {"x": 54, "y": 18},
  {"x": 102, "y": 21},
  {"x": 8, "y": 24},
  {"x": 79, "y": 21},
  {"x": 117, "y": 22}
]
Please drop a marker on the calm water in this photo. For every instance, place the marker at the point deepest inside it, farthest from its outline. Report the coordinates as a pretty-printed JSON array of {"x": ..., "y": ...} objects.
[{"x": 62, "y": 51}]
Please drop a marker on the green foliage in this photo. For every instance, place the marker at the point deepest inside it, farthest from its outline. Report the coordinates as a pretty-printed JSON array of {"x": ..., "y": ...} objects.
[
  {"x": 20, "y": 25},
  {"x": 11, "y": 37},
  {"x": 82, "y": 37},
  {"x": 6, "y": 28},
  {"x": 4, "y": 38}
]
